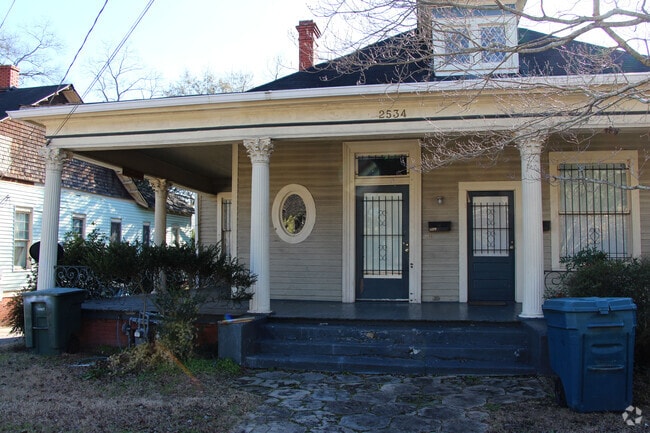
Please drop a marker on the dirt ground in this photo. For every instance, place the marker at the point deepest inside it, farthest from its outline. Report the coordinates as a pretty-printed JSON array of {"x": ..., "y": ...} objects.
[{"x": 41, "y": 394}]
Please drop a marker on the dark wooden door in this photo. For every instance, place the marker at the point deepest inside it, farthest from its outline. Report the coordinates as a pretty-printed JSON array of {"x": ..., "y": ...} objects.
[
  {"x": 491, "y": 249},
  {"x": 382, "y": 239}
]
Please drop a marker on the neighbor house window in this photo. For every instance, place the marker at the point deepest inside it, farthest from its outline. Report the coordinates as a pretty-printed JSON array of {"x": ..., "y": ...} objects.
[
  {"x": 116, "y": 230},
  {"x": 146, "y": 234},
  {"x": 22, "y": 237},
  {"x": 79, "y": 225},
  {"x": 176, "y": 235},
  {"x": 595, "y": 205}
]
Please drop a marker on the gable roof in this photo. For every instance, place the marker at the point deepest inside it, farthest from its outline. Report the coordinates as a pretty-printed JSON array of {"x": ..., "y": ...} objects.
[
  {"x": 14, "y": 98},
  {"x": 399, "y": 65}
]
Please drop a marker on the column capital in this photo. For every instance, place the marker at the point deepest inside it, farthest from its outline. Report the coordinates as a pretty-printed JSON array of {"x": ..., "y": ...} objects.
[
  {"x": 54, "y": 157},
  {"x": 259, "y": 149},
  {"x": 158, "y": 184},
  {"x": 530, "y": 141}
]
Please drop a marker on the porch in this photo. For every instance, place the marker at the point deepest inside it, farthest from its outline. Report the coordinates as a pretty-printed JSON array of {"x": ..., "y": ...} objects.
[{"x": 368, "y": 337}]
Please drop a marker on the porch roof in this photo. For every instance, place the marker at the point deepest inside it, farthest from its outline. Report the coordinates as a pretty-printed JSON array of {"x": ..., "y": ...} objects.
[{"x": 187, "y": 140}]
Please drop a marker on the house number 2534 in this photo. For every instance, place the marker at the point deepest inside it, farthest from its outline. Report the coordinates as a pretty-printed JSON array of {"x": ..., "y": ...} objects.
[{"x": 391, "y": 114}]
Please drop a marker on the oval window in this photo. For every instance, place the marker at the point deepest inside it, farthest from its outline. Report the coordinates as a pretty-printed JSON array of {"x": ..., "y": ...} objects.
[{"x": 294, "y": 213}]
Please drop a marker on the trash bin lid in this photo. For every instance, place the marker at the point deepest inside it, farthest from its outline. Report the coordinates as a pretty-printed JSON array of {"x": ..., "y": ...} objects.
[
  {"x": 584, "y": 305},
  {"x": 54, "y": 291}
]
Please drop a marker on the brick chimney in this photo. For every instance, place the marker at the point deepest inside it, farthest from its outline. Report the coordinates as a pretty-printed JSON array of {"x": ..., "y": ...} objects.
[
  {"x": 308, "y": 32},
  {"x": 9, "y": 76}
]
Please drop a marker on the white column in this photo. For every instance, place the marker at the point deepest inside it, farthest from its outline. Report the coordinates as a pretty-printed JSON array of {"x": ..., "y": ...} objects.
[
  {"x": 160, "y": 187},
  {"x": 54, "y": 159},
  {"x": 530, "y": 147},
  {"x": 259, "y": 152}
]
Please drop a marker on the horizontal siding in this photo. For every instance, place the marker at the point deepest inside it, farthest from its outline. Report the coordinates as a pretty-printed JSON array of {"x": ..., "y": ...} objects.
[
  {"x": 98, "y": 211},
  {"x": 311, "y": 269},
  {"x": 440, "y": 267},
  {"x": 15, "y": 195},
  {"x": 208, "y": 217}
]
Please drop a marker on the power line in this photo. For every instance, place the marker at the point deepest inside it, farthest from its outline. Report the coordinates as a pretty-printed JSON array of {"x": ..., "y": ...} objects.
[
  {"x": 106, "y": 64},
  {"x": 84, "y": 42},
  {"x": 7, "y": 14}
]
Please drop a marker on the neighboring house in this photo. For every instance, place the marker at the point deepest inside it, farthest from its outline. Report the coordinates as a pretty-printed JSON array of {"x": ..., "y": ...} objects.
[
  {"x": 313, "y": 180},
  {"x": 92, "y": 197}
]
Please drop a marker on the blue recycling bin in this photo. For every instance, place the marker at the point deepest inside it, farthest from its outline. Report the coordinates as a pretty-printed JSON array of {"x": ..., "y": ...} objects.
[{"x": 591, "y": 349}]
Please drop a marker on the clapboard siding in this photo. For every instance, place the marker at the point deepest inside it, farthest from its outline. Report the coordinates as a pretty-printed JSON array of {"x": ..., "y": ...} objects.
[
  {"x": 16, "y": 195},
  {"x": 208, "y": 217},
  {"x": 98, "y": 211},
  {"x": 440, "y": 251},
  {"x": 311, "y": 269}
]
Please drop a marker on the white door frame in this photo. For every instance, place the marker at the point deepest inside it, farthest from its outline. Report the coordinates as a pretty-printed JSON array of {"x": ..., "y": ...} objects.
[
  {"x": 351, "y": 181},
  {"x": 463, "y": 189}
]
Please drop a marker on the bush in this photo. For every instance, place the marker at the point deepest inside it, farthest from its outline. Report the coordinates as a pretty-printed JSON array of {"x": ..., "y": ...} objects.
[
  {"x": 593, "y": 274},
  {"x": 16, "y": 315}
]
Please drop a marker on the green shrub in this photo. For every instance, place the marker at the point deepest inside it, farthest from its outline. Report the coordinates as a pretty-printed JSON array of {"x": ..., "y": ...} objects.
[
  {"x": 593, "y": 274},
  {"x": 16, "y": 315}
]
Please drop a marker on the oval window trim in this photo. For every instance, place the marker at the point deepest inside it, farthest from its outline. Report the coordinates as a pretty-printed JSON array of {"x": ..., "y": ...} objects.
[{"x": 310, "y": 218}]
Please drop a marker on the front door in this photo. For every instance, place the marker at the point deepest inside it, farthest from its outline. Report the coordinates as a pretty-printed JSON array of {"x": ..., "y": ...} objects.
[
  {"x": 382, "y": 242},
  {"x": 491, "y": 237}
]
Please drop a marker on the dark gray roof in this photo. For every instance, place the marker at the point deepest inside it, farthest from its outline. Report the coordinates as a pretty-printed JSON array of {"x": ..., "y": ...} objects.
[
  {"x": 401, "y": 63},
  {"x": 14, "y": 97}
]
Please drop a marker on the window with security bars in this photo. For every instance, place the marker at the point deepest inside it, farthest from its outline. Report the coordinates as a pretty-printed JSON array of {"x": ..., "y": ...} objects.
[
  {"x": 22, "y": 237},
  {"x": 594, "y": 208},
  {"x": 226, "y": 227}
]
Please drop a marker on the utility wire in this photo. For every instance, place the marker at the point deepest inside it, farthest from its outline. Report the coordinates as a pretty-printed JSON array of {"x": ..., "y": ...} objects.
[
  {"x": 105, "y": 66},
  {"x": 84, "y": 42},
  {"x": 7, "y": 14}
]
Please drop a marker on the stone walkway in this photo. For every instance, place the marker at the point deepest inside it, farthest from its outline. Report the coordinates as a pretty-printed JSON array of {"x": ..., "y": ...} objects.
[{"x": 308, "y": 402}]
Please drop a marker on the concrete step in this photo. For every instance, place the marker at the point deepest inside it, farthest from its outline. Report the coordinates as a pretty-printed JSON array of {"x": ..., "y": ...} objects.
[{"x": 400, "y": 347}]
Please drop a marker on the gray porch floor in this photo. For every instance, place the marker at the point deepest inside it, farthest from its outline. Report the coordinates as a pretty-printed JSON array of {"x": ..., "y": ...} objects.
[
  {"x": 396, "y": 311},
  {"x": 321, "y": 310}
]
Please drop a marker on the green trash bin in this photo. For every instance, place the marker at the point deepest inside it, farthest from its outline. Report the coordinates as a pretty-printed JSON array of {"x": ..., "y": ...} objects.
[{"x": 53, "y": 319}]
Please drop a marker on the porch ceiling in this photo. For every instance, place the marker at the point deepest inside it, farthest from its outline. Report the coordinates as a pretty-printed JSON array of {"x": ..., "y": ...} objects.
[{"x": 205, "y": 168}]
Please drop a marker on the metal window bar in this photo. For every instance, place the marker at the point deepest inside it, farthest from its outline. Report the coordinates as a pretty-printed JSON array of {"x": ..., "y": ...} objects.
[
  {"x": 490, "y": 229},
  {"x": 226, "y": 227},
  {"x": 594, "y": 210},
  {"x": 382, "y": 235}
]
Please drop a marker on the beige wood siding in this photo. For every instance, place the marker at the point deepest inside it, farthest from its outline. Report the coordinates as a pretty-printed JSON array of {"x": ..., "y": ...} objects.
[
  {"x": 440, "y": 268},
  {"x": 208, "y": 217},
  {"x": 310, "y": 269}
]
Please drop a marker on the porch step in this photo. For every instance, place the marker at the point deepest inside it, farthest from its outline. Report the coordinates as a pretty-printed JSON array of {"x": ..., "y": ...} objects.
[{"x": 400, "y": 347}]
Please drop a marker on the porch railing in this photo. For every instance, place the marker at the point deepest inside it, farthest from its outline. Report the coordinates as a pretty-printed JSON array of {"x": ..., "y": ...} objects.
[{"x": 83, "y": 277}]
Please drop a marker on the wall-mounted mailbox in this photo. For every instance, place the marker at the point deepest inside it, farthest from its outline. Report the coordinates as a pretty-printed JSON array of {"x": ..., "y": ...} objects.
[
  {"x": 439, "y": 226},
  {"x": 546, "y": 226}
]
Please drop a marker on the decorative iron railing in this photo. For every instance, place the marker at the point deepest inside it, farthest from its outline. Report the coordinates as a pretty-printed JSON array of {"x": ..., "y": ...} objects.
[
  {"x": 554, "y": 283},
  {"x": 98, "y": 287}
]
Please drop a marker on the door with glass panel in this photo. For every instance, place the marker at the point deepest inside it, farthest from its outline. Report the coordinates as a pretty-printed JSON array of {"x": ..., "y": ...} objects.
[
  {"x": 491, "y": 246},
  {"x": 382, "y": 242}
]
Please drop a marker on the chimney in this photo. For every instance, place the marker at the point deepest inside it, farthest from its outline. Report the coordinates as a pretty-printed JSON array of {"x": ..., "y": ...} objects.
[
  {"x": 9, "y": 76},
  {"x": 308, "y": 32}
]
